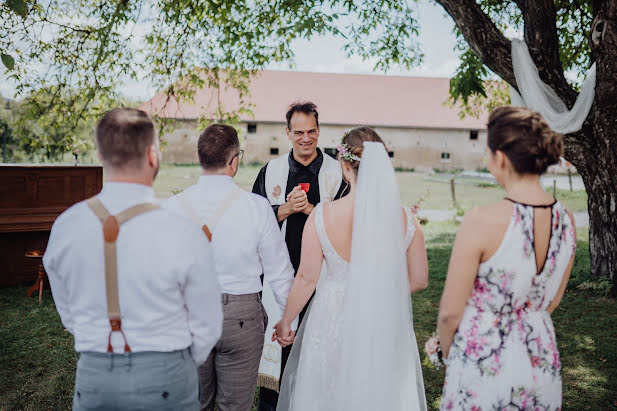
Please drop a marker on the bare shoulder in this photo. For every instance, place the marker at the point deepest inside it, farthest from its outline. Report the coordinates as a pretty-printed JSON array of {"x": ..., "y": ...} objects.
[
  {"x": 338, "y": 213},
  {"x": 487, "y": 218}
]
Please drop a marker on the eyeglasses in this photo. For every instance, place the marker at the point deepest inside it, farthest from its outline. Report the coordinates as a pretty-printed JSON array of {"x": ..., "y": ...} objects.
[{"x": 239, "y": 154}]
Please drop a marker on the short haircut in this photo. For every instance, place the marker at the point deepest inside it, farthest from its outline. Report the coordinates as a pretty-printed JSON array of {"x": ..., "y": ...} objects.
[
  {"x": 123, "y": 137},
  {"x": 216, "y": 145},
  {"x": 305, "y": 107}
]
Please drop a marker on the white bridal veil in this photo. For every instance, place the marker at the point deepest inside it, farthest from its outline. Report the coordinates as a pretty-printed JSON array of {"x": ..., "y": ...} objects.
[{"x": 380, "y": 364}]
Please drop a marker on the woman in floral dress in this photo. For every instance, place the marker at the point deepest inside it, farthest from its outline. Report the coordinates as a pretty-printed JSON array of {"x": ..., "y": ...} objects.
[{"x": 508, "y": 271}]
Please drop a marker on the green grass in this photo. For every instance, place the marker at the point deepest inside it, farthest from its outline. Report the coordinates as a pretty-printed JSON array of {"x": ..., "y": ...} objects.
[
  {"x": 414, "y": 186},
  {"x": 174, "y": 178},
  {"x": 37, "y": 362}
]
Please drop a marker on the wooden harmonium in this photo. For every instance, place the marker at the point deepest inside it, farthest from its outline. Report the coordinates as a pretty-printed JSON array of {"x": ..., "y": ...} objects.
[{"x": 31, "y": 197}]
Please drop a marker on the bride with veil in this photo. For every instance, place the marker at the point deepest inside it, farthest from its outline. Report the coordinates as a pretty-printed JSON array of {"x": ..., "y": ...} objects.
[{"x": 356, "y": 348}]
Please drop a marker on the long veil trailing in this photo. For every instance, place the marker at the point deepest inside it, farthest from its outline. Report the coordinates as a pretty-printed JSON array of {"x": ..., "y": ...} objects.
[
  {"x": 380, "y": 363},
  {"x": 379, "y": 367}
]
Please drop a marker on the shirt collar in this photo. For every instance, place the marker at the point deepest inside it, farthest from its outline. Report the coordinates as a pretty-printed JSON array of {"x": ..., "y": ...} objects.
[
  {"x": 134, "y": 192},
  {"x": 313, "y": 167},
  {"x": 215, "y": 180}
]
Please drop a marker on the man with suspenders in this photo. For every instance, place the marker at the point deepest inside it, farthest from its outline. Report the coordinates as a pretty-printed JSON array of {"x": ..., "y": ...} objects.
[
  {"x": 247, "y": 242},
  {"x": 134, "y": 284}
]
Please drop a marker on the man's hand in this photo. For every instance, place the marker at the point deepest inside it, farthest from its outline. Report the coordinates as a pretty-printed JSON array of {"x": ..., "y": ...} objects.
[
  {"x": 297, "y": 202},
  {"x": 283, "y": 334},
  {"x": 300, "y": 195},
  {"x": 415, "y": 208}
]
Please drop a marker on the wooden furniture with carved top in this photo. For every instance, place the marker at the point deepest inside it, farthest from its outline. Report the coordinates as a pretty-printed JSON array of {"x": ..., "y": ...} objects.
[{"x": 31, "y": 197}]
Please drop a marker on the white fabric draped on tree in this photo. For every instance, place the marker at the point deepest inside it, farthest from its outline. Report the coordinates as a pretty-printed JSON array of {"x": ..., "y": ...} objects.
[{"x": 537, "y": 95}]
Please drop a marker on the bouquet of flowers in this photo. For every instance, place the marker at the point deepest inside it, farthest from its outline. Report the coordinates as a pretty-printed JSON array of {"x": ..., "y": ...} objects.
[{"x": 432, "y": 348}]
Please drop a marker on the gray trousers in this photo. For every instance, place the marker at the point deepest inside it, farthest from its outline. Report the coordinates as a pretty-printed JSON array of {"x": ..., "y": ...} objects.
[
  {"x": 229, "y": 375},
  {"x": 136, "y": 381}
]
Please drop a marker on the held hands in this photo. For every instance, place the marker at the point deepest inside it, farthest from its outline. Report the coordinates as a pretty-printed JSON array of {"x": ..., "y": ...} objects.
[
  {"x": 415, "y": 208},
  {"x": 283, "y": 334}
]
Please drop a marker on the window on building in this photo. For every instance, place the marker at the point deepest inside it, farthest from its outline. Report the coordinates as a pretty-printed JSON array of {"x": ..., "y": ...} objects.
[
  {"x": 251, "y": 128},
  {"x": 274, "y": 151},
  {"x": 445, "y": 157},
  {"x": 391, "y": 154},
  {"x": 330, "y": 151},
  {"x": 473, "y": 134}
]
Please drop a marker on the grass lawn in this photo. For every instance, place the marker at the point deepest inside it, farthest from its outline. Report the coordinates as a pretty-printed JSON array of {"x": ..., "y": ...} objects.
[
  {"x": 413, "y": 186},
  {"x": 37, "y": 362}
]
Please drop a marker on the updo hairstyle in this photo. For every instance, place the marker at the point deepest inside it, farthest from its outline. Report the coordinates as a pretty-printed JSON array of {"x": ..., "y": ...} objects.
[
  {"x": 525, "y": 138},
  {"x": 354, "y": 139}
]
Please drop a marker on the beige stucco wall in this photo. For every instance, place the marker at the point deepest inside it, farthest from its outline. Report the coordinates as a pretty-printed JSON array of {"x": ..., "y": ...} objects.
[{"x": 420, "y": 149}]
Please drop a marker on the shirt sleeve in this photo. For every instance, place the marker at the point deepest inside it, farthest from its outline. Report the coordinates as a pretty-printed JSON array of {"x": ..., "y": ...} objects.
[
  {"x": 202, "y": 299},
  {"x": 57, "y": 281},
  {"x": 259, "y": 187},
  {"x": 275, "y": 262}
]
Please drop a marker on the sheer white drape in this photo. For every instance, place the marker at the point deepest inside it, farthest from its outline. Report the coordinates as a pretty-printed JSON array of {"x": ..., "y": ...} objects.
[{"x": 537, "y": 95}]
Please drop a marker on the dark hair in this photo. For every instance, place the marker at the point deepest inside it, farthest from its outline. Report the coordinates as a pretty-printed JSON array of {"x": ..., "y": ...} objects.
[
  {"x": 123, "y": 136},
  {"x": 355, "y": 139},
  {"x": 216, "y": 144},
  {"x": 305, "y": 107},
  {"x": 525, "y": 138}
]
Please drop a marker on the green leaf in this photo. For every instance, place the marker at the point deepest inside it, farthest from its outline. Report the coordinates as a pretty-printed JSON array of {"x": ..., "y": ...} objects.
[
  {"x": 8, "y": 61},
  {"x": 18, "y": 7}
]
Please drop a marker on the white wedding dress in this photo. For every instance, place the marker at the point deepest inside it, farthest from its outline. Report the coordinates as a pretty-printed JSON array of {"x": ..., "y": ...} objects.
[{"x": 341, "y": 359}]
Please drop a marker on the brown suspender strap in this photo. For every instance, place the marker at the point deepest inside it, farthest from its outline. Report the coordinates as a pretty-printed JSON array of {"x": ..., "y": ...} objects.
[
  {"x": 111, "y": 229},
  {"x": 218, "y": 213}
]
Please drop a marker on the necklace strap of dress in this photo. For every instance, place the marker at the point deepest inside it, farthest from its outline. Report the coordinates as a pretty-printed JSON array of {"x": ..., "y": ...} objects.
[{"x": 533, "y": 205}]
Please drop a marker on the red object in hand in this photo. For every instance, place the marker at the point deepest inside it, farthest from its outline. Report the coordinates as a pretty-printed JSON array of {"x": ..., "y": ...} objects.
[{"x": 305, "y": 186}]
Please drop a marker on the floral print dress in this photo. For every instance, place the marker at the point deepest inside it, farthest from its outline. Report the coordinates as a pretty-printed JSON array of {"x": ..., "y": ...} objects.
[{"x": 504, "y": 355}]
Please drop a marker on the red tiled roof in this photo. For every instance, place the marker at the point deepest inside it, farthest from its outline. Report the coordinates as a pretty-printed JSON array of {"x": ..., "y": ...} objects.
[{"x": 348, "y": 99}]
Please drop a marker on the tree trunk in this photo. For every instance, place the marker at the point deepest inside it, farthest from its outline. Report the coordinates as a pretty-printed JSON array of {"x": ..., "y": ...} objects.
[
  {"x": 593, "y": 150},
  {"x": 599, "y": 168}
]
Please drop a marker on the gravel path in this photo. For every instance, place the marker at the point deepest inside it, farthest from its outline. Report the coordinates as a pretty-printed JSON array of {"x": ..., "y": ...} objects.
[{"x": 581, "y": 218}]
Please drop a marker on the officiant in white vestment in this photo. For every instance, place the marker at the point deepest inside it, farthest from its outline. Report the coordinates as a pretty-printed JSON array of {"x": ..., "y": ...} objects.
[
  {"x": 294, "y": 184},
  {"x": 246, "y": 241},
  {"x": 133, "y": 283}
]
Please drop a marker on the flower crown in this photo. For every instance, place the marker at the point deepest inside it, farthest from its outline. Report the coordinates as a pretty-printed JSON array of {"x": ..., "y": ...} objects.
[{"x": 345, "y": 154}]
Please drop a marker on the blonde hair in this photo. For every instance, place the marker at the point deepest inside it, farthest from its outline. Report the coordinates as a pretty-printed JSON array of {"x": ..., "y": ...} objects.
[{"x": 354, "y": 139}]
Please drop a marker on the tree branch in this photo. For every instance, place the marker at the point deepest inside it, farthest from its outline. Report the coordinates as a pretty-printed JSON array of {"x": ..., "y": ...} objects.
[
  {"x": 541, "y": 36},
  {"x": 483, "y": 36}
]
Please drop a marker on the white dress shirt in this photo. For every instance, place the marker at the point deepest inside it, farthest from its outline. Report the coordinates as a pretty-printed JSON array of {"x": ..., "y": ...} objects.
[
  {"x": 168, "y": 293},
  {"x": 247, "y": 240}
]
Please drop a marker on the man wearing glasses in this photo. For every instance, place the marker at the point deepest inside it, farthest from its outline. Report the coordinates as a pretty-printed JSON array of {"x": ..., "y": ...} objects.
[{"x": 246, "y": 242}]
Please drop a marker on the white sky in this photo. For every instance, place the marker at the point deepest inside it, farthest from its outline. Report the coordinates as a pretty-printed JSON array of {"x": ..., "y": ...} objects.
[{"x": 325, "y": 54}]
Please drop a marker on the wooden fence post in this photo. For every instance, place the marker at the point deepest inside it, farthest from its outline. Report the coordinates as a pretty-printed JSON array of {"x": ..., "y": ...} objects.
[
  {"x": 555, "y": 188},
  {"x": 453, "y": 192}
]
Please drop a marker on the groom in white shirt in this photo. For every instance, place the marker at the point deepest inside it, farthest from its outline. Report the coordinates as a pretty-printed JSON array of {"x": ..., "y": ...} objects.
[
  {"x": 133, "y": 283},
  {"x": 247, "y": 242}
]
